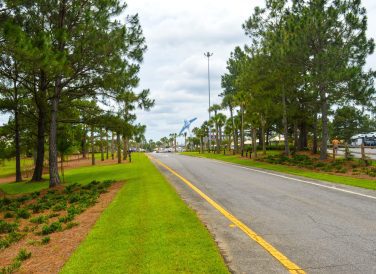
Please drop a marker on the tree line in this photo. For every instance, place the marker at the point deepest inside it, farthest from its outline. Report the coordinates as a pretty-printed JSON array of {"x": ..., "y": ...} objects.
[
  {"x": 302, "y": 75},
  {"x": 67, "y": 68}
]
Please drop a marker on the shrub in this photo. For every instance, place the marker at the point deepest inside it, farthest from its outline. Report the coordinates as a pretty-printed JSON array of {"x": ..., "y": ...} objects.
[
  {"x": 23, "y": 255},
  {"x": 23, "y": 213},
  {"x": 36, "y": 207},
  {"x": 45, "y": 240},
  {"x": 365, "y": 162},
  {"x": 11, "y": 268},
  {"x": 8, "y": 215},
  {"x": 7, "y": 227},
  {"x": 48, "y": 229},
  {"x": 52, "y": 215},
  {"x": 70, "y": 225},
  {"x": 12, "y": 237},
  {"x": 59, "y": 207},
  {"x": 66, "y": 219},
  {"x": 39, "y": 219},
  {"x": 71, "y": 188},
  {"x": 35, "y": 194}
]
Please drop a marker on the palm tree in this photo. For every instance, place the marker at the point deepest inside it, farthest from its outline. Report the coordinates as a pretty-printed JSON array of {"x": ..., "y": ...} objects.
[
  {"x": 200, "y": 134},
  {"x": 221, "y": 120},
  {"x": 214, "y": 122}
]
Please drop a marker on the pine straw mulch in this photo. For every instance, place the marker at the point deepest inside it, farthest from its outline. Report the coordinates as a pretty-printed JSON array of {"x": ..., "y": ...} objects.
[{"x": 51, "y": 257}]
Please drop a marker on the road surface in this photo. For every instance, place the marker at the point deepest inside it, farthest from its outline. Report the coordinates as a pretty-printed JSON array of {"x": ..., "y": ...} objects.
[{"x": 320, "y": 228}]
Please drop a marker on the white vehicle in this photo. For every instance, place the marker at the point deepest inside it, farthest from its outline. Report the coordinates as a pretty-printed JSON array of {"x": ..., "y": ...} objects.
[{"x": 368, "y": 139}]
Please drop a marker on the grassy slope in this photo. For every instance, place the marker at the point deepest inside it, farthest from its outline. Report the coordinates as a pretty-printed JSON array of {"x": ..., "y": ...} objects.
[
  {"x": 146, "y": 229},
  {"x": 8, "y": 167},
  {"x": 364, "y": 183},
  {"x": 82, "y": 174}
]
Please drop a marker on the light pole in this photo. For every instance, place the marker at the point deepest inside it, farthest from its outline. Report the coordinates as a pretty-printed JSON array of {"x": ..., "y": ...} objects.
[{"x": 208, "y": 55}]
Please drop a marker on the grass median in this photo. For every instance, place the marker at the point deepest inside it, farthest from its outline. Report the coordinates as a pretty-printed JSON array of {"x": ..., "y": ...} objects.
[
  {"x": 147, "y": 229},
  {"x": 236, "y": 159}
]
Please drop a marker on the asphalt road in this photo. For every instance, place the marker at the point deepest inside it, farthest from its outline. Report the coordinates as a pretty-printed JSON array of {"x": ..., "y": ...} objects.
[{"x": 323, "y": 228}]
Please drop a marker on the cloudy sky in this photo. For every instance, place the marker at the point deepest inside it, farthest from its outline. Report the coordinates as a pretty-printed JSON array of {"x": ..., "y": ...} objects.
[{"x": 175, "y": 68}]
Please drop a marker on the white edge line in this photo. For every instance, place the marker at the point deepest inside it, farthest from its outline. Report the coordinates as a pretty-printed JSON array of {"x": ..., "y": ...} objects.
[{"x": 290, "y": 178}]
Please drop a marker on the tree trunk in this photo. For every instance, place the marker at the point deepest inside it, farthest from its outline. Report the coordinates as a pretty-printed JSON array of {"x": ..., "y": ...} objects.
[
  {"x": 107, "y": 146},
  {"x": 242, "y": 131},
  {"x": 41, "y": 105},
  {"x": 295, "y": 135},
  {"x": 254, "y": 143},
  {"x": 263, "y": 139},
  {"x": 217, "y": 139},
  {"x": 324, "y": 119},
  {"x": 236, "y": 141},
  {"x": 92, "y": 146},
  {"x": 285, "y": 125},
  {"x": 38, "y": 170},
  {"x": 53, "y": 161},
  {"x": 118, "y": 147},
  {"x": 101, "y": 143},
  {"x": 233, "y": 131},
  {"x": 53, "y": 164},
  {"x": 17, "y": 128},
  {"x": 314, "y": 141},
  {"x": 17, "y": 142},
  {"x": 112, "y": 146},
  {"x": 83, "y": 143},
  {"x": 303, "y": 139},
  {"x": 125, "y": 148}
]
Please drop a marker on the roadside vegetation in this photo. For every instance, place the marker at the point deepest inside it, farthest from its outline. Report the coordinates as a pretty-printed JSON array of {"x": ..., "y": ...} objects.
[
  {"x": 146, "y": 227},
  {"x": 302, "y": 166},
  {"x": 36, "y": 215},
  {"x": 52, "y": 74},
  {"x": 300, "y": 81}
]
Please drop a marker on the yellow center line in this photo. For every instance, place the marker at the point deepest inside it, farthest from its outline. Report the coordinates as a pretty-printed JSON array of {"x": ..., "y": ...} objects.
[{"x": 286, "y": 262}]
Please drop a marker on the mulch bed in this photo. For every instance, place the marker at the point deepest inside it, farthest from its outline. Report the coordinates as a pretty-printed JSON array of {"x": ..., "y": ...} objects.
[{"x": 51, "y": 257}]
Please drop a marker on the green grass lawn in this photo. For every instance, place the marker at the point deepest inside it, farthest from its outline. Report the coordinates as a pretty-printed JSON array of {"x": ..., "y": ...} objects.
[
  {"x": 146, "y": 229},
  {"x": 364, "y": 183},
  {"x": 8, "y": 167},
  {"x": 82, "y": 175}
]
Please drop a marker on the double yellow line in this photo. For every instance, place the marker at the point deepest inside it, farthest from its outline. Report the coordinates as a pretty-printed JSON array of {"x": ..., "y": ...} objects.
[{"x": 286, "y": 262}]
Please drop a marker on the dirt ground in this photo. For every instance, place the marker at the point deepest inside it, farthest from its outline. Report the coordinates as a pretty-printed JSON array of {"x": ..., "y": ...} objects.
[
  {"x": 73, "y": 162},
  {"x": 62, "y": 244}
]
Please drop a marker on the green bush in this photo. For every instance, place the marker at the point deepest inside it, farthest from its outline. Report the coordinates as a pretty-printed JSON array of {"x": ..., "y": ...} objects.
[
  {"x": 53, "y": 215},
  {"x": 23, "y": 255},
  {"x": 6, "y": 227},
  {"x": 39, "y": 219},
  {"x": 12, "y": 237},
  {"x": 53, "y": 227},
  {"x": 45, "y": 240},
  {"x": 23, "y": 213},
  {"x": 8, "y": 215},
  {"x": 36, "y": 207},
  {"x": 66, "y": 219},
  {"x": 59, "y": 207},
  {"x": 11, "y": 268},
  {"x": 71, "y": 225}
]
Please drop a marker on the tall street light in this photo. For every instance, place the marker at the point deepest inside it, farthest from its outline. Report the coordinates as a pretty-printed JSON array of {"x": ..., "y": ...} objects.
[{"x": 208, "y": 55}]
